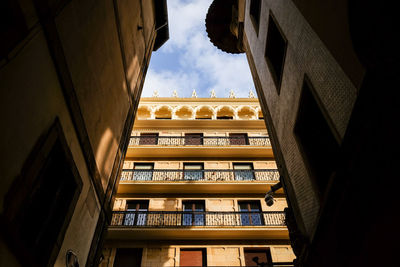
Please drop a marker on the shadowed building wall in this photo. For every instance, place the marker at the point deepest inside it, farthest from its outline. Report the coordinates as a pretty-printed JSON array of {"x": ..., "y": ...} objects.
[
  {"x": 319, "y": 70},
  {"x": 71, "y": 73}
]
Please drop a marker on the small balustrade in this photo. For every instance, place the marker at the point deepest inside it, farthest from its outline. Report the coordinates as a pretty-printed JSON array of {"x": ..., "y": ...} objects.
[
  {"x": 197, "y": 219},
  {"x": 200, "y": 175},
  {"x": 199, "y": 141}
]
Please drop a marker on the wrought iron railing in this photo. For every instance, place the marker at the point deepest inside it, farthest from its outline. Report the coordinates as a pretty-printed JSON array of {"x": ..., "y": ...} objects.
[
  {"x": 200, "y": 175},
  {"x": 199, "y": 141},
  {"x": 197, "y": 219}
]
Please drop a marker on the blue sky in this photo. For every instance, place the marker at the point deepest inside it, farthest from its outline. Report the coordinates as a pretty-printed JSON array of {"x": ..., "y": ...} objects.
[{"x": 188, "y": 60}]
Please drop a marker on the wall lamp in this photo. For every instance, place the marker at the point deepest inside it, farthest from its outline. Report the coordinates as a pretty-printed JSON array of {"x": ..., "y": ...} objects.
[{"x": 269, "y": 199}]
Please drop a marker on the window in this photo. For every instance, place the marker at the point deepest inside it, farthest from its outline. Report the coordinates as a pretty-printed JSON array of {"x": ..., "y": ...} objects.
[
  {"x": 257, "y": 257},
  {"x": 275, "y": 52},
  {"x": 193, "y": 212},
  {"x": 148, "y": 139},
  {"x": 193, "y": 257},
  {"x": 238, "y": 139},
  {"x": 255, "y": 10},
  {"x": 194, "y": 139},
  {"x": 128, "y": 257},
  {"x": 193, "y": 171},
  {"x": 136, "y": 212},
  {"x": 315, "y": 138},
  {"x": 143, "y": 171},
  {"x": 243, "y": 171},
  {"x": 37, "y": 214},
  {"x": 250, "y": 212}
]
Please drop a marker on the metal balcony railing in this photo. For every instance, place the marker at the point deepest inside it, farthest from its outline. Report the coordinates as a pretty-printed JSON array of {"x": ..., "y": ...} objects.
[
  {"x": 199, "y": 141},
  {"x": 200, "y": 175},
  {"x": 182, "y": 219}
]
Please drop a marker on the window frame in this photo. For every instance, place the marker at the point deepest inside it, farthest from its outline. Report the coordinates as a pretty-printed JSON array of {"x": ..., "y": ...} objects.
[
  {"x": 255, "y": 21},
  {"x": 18, "y": 199},
  {"x": 192, "y": 137},
  {"x": 201, "y": 164},
  {"x": 144, "y": 136},
  {"x": 271, "y": 68},
  {"x": 300, "y": 144}
]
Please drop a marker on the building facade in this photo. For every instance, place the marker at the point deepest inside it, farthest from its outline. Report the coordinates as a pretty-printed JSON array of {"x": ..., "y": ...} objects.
[
  {"x": 71, "y": 75},
  {"x": 319, "y": 69},
  {"x": 192, "y": 188}
]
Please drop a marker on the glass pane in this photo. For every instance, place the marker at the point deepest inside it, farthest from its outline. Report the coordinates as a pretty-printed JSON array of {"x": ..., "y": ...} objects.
[
  {"x": 193, "y": 166},
  {"x": 193, "y": 171},
  {"x": 129, "y": 219},
  {"x": 193, "y": 139},
  {"x": 139, "y": 175},
  {"x": 193, "y": 175},
  {"x": 238, "y": 139},
  {"x": 187, "y": 219},
  {"x": 148, "y": 139},
  {"x": 243, "y": 171},
  {"x": 143, "y": 166}
]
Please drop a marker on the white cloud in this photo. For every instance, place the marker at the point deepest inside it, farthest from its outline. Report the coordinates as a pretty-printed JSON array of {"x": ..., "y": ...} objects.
[
  {"x": 166, "y": 81},
  {"x": 200, "y": 63},
  {"x": 185, "y": 19}
]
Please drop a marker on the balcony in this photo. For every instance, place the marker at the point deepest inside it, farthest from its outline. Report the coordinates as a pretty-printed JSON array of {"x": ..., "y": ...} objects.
[
  {"x": 234, "y": 146},
  {"x": 196, "y": 181},
  {"x": 197, "y": 225}
]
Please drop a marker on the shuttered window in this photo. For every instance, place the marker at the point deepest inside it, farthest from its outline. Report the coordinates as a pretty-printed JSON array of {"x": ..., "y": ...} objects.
[
  {"x": 194, "y": 139},
  {"x": 148, "y": 139},
  {"x": 193, "y": 257},
  {"x": 238, "y": 139}
]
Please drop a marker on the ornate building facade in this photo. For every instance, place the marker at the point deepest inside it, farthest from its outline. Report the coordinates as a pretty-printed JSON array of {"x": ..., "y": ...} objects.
[{"x": 192, "y": 188}]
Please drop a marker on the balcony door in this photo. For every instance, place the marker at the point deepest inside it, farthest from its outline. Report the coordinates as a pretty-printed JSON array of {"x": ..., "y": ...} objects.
[
  {"x": 257, "y": 257},
  {"x": 243, "y": 171},
  {"x": 128, "y": 257},
  {"x": 194, "y": 139},
  {"x": 143, "y": 171},
  {"x": 193, "y": 171},
  {"x": 136, "y": 214},
  {"x": 193, "y": 212},
  {"x": 148, "y": 139},
  {"x": 238, "y": 139},
  {"x": 250, "y": 213}
]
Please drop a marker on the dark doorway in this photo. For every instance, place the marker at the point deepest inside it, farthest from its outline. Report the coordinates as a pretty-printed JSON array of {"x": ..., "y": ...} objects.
[
  {"x": 257, "y": 257},
  {"x": 250, "y": 212},
  {"x": 193, "y": 212},
  {"x": 128, "y": 257},
  {"x": 148, "y": 139},
  {"x": 193, "y": 171},
  {"x": 238, "y": 139},
  {"x": 136, "y": 212},
  {"x": 194, "y": 139}
]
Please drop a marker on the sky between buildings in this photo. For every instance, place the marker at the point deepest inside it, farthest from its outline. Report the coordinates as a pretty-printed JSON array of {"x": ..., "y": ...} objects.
[{"x": 188, "y": 60}]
